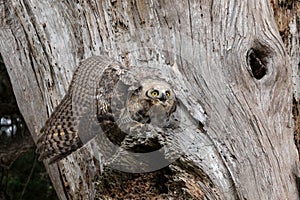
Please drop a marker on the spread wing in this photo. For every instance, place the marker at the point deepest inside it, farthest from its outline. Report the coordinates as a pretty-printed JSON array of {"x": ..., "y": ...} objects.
[{"x": 61, "y": 134}]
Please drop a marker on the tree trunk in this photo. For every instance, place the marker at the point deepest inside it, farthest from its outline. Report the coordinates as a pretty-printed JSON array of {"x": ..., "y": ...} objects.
[
  {"x": 287, "y": 15},
  {"x": 237, "y": 69}
]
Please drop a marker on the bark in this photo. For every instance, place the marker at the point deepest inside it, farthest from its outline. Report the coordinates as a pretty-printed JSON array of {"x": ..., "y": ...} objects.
[
  {"x": 231, "y": 54},
  {"x": 287, "y": 15}
]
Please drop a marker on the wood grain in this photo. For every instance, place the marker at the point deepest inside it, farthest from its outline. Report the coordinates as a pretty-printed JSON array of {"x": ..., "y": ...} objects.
[{"x": 249, "y": 126}]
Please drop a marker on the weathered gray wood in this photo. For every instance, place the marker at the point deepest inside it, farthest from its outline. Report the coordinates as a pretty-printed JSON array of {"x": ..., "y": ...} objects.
[
  {"x": 250, "y": 152},
  {"x": 286, "y": 15}
]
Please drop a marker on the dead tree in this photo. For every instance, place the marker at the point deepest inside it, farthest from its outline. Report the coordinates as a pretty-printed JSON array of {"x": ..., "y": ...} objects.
[{"x": 231, "y": 54}]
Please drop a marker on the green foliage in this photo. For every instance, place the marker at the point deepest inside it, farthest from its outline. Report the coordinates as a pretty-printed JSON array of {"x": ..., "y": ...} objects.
[
  {"x": 21, "y": 175},
  {"x": 27, "y": 179}
]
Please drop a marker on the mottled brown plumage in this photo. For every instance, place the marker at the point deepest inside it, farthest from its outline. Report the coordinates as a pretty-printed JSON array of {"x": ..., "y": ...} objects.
[
  {"x": 119, "y": 100},
  {"x": 59, "y": 136}
]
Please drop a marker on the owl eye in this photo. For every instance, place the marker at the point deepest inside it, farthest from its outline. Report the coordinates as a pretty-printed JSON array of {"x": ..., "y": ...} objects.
[
  {"x": 154, "y": 93},
  {"x": 168, "y": 93}
]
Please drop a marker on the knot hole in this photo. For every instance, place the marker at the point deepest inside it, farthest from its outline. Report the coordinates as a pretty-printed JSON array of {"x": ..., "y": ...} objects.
[{"x": 257, "y": 60}]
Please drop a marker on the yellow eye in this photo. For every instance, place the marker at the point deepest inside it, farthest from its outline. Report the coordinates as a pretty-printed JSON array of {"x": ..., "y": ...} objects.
[
  {"x": 154, "y": 93},
  {"x": 168, "y": 93}
]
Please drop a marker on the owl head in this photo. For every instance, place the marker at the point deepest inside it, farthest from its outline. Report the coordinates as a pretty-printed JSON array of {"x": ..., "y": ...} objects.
[
  {"x": 154, "y": 99},
  {"x": 156, "y": 91}
]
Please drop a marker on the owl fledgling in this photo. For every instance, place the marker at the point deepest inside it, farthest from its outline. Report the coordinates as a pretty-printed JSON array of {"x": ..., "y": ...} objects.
[
  {"x": 152, "y": 103},
  {"x": 147, "y": 109}
]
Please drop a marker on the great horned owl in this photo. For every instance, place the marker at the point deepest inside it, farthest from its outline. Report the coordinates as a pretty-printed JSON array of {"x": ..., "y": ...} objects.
[
  {"x": 152, "y": 103},
  {"x": 138, "y": 104}
]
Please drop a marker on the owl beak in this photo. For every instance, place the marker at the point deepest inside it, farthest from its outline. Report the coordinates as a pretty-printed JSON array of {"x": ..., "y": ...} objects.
[{"x": 163, "y": 97}]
